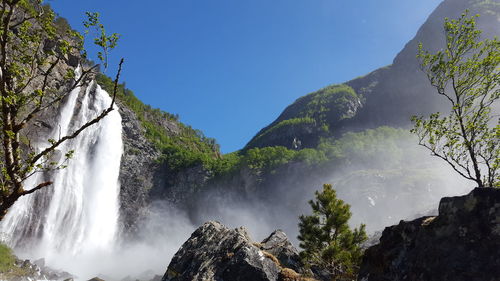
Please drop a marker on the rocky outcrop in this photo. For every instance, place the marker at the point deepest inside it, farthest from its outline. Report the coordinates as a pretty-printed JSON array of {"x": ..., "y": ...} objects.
[
  {"x": 461, "y": 243},
  {"x": 278, "y": 245},
  {"x": 215, "y": 252}
]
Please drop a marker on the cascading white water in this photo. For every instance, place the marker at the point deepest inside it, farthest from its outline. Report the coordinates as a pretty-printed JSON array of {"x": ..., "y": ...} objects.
[{"x": 78, "y": 215}]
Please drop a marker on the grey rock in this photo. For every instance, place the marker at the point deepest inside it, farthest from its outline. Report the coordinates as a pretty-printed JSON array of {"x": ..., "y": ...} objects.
[
  {"x": 279, "y": 246},
  {"x": 215, "y": 252},
  {"x": 461, "y": 243},
  {"x": 250, "y": 264}
]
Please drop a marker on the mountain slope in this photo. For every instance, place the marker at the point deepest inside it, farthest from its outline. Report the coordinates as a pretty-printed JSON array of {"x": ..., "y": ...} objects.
[{"x": 388, "y": 96}]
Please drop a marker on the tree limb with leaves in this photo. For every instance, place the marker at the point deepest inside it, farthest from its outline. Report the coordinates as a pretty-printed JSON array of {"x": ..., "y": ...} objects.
[
  {"x": 32, "y": 50},
  {"x": 467, "y": 73}
]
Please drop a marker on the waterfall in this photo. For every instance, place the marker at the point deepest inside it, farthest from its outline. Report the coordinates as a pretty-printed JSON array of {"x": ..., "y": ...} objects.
[{"x": 77, "y": 215}]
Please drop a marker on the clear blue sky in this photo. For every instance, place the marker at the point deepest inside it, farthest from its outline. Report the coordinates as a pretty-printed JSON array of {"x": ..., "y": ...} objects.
[{"x": 229, "y": 67}]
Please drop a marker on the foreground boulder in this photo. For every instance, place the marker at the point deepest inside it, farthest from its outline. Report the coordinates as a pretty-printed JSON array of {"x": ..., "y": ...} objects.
[
  {"x": 461, "y": 243},
  {"x": 215, "y": 252}
]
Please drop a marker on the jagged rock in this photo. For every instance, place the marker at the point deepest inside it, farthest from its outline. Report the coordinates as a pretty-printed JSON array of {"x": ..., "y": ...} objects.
[
  {"x": 461, "y": 243},
  {"x": 279, "y": 246},
  {"x": 215, "y": 252},
  {"x": 249, "y": 263},
  {"x": 96, "y": 279}
]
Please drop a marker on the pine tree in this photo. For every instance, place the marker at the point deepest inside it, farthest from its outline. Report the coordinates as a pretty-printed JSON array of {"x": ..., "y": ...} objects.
[{"x": 326, "y": 239}]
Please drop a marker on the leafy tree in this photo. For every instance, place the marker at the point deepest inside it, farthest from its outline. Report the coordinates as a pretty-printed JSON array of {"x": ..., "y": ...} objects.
[
  {"x": 328, "y": 242},
  {"x": 467, "y": 73},
  {"x": 35, "y": 75}
]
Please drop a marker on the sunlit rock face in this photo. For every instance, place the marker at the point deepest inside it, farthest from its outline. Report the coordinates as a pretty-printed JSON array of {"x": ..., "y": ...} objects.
[
  {"x": 461, "y": 243},
  {"x": 138, "y": 172},
  {"x": 215, "y": 252}
]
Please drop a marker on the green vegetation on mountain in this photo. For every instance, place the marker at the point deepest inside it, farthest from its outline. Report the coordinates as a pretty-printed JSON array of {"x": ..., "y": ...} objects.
[
  {"x": 328, "y": 104},
  {"x": 309, "y": 117},
  {"x": 383, "y": 147},
  {"x": 290, "y": 124}
]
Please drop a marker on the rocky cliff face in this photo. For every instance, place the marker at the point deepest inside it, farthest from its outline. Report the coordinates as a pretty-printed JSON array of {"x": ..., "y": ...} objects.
[
  {"x": 215, "y": 252},
  {"x": 461, "y": 243},
  {"x": 144, "y": 177},
  {"x": 137, "y": 171}
]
